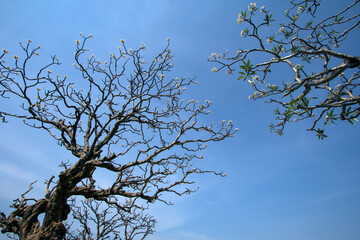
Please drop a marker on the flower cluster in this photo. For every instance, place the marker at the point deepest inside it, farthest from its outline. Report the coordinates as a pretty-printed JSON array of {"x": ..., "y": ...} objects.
[
  {"x": 240, "y": 19},
  {"x": 252, "y": 7}
]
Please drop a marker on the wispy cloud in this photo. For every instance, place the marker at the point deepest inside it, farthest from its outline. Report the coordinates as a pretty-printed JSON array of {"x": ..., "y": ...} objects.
[
  {"x": 332, "y": 196},
  {"x": 16, "y": 172},
  {"x": 195, "y": 236}
]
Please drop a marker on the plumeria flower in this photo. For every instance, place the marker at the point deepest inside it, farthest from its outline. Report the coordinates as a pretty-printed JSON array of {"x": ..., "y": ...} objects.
[
  {"x": 252, "y": 7},
  {"x": 240, "y": 19}
]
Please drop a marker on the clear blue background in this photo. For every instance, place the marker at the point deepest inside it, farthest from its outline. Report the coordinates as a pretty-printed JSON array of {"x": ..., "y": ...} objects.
[{"x": 278, "y": 188}]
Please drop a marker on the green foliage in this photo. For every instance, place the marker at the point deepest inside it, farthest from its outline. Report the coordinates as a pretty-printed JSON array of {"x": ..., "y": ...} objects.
[{"x": 246, "y": 70}]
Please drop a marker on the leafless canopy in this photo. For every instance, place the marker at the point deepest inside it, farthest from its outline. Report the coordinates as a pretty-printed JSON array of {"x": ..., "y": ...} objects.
[
  {"x": 106, "y": 221},
  {"x": 124, "y": 116},
  {"x": 325, "y": 82}
]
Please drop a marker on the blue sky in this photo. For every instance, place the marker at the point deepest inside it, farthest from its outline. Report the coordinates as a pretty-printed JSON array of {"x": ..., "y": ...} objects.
[{"x": 278, "y": 188}]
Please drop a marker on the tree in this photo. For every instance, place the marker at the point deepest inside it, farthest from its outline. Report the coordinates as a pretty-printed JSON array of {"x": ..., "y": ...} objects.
[
  {"x": 324, "y": 86},
  {"x": 123, "y": 116},
  {"x": 110, "y": 222}
]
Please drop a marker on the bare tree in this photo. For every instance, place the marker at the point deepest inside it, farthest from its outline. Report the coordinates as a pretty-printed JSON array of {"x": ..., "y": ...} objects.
[
  {"x": 99, "y": 221},
  {"x": 123, "y": 115},
  {"x": 324, "y": 85}
]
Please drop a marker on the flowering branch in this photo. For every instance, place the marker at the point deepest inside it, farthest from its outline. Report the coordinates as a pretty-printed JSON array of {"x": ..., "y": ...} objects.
[{"x": 324, "y": 86}]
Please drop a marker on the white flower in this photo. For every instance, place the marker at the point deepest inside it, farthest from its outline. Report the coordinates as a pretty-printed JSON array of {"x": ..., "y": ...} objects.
[
  {"x": 281, "y": 29},
  {"x": 236, "y": 129},
  {"x": 240, "y": 19},
  {"x": 214, "y": 70},
  {"x": 242, "y": 33},
  {"x": 213, "y": 55},
  {"x": 49, "y": 71},
  {"x": 168, "y": 39},
  {"x": 92, "y": 36},
  {"x": 252, "y": 7},
  {"x": 122, "y": 40},
  {"x": 269, "y": 40},
  {"x": 131, "y": 50}
]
